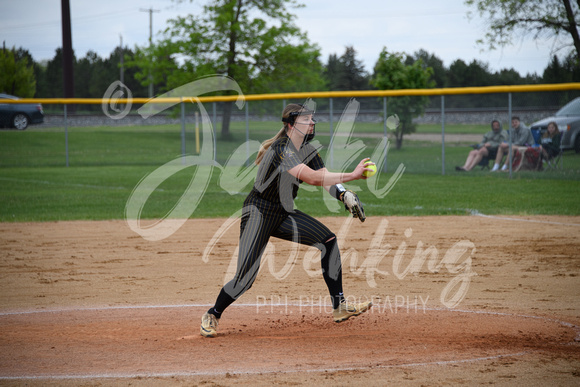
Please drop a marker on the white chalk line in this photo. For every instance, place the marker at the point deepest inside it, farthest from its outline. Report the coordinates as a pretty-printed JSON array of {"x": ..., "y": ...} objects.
[
  {"x": 63, "y": 184},
  {"x": 46, "y": 182},
  {"x": 286, "y": 305},
  {"x": 477, "y": 213},
  {"x": 253, "y": 372},
  {"x": 260, "y": 372},
  {"x": 102, "y": 308}
]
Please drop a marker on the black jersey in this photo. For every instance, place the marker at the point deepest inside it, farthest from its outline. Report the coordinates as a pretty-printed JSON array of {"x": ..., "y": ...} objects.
[
  {"x": 273, "y": 182},
  {"x": 269, "y": 212}
]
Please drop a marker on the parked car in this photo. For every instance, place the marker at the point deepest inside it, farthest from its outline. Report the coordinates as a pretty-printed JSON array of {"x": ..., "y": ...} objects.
[
  {"x": 568, "y": 121},
  {"x": 19, "y": 115}
]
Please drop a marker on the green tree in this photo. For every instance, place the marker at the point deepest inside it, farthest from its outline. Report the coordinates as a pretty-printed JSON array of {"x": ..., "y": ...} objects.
[
  {"x": 254, "y": 42},
  {"x": 561, "y": 71},
  {"x": 40, "y": 75},
  {"x": 113, "y": 68},
  {"x": 440, "y": 72},
  {"x": 352, "y": 74},
  {"x": 331, "y": 72},
  {"x": 507, "y": 77},
  {"x": 430, "y": 60},
  {"x": 88, "y": 71},
  {"x": 475, "y": 73},
  {"x": 391, "y": 73},
  {"x": 53, "y": 76},
  {"x": 17, "y": 73},
  {"x": 518, "y": 19},
  {"x": 157, "y": 65},
  {"x": 281, "y": 67},
  {"x": 344, "y": 73}
]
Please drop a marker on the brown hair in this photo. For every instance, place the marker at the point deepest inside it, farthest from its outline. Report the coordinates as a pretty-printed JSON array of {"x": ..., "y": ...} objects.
[
  {"x": 290, "y": 108},
  {"x": 547, "y": 133}
]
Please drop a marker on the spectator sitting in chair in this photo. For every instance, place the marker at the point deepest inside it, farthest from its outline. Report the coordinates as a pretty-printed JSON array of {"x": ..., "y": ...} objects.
[
  {"x": 487, "y": 147},
  {"x": 520, "y": 136},
  {"x": 551, "y": 141}
]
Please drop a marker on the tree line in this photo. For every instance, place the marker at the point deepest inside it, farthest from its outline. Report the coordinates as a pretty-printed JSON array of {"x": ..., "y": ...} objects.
[
  {"x": 259, "y": 45},
  {"x": 94, "y": 74}
]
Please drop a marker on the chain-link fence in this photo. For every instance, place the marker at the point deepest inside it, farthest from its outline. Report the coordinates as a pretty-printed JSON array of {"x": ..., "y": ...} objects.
[{"x": 437, "y": 131}]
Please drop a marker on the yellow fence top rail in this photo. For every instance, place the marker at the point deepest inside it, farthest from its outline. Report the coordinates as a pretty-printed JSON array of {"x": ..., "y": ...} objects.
[{"x": 314, "y": 94}]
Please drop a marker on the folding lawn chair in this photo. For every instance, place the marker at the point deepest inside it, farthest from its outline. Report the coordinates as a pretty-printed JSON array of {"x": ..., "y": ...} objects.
[
  {"x": 537, "y": 134},
  {"x": 484, "y": 163},
  {"x": 550, "y": 163},
  {"x": 553, "y": 163}
]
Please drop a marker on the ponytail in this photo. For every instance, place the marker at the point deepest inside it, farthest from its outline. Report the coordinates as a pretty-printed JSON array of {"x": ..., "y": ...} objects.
[
  {"x": 290, "y": 108},
  {"x": 266, "y": 144}
]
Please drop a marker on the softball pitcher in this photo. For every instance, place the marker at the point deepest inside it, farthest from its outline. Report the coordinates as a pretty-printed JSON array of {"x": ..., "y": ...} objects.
[{"x": 285, "y": 161}]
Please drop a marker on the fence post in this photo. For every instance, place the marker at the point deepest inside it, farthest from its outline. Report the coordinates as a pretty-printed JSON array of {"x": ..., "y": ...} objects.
[
  {"x": 442, "y": 134},
  {"x": 197, "y": 132},
  {"x": 247, "y": 133},
  {"x": 509, "y": 133},
  {"x": 214, "y": 132},
  {"x": 331, "y": 130},
  {"x": 182, "y": 132},
  {"x": 66, "y": 133},
  {"x": 386, "y": 133}
]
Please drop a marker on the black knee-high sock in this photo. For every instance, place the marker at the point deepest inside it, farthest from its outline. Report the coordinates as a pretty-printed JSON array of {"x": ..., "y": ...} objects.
[
  {"x": 332, "y": 271},
  {"x": 223, "y": 301}
]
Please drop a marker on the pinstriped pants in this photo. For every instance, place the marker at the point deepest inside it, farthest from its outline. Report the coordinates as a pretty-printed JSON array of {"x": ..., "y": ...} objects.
[{"x": 260, "y": 221}]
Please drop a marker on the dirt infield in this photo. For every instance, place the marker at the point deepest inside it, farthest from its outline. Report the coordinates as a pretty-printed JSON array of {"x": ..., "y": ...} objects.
[{"x": 457, "y": 300}]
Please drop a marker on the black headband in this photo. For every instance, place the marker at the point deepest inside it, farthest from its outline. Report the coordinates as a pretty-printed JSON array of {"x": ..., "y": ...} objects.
[{"x": 292, "y": 116}]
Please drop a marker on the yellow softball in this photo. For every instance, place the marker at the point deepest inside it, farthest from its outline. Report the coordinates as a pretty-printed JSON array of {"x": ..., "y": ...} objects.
[{"x": 371, "y": 165}]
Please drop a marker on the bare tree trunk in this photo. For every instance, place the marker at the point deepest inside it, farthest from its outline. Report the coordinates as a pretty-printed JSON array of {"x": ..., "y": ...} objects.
[
  {"x": 399, "y": 138},
  {"x": 573, "y": 26}
]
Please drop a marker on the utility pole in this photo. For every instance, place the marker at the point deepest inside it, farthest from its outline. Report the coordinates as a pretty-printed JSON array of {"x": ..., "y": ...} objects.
[
  {"x": 67, "y": 52},
  {"x": 150, "y": 10}
]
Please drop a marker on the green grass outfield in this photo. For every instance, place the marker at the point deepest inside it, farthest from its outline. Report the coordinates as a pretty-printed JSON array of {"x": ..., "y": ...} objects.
[{"x": 106, "y": 164}]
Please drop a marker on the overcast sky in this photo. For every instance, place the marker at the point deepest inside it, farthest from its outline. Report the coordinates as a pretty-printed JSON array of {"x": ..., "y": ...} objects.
[{"x": 439, "y": 27}]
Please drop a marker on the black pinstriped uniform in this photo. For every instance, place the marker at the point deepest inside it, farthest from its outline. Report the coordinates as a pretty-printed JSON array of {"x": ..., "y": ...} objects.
[{"x": 269, "y": 211}]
